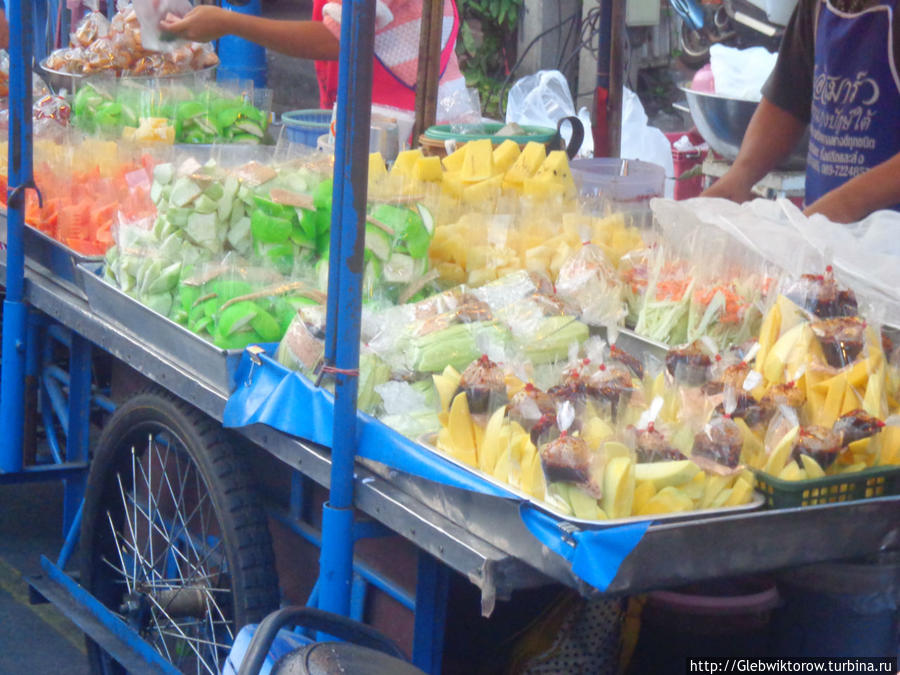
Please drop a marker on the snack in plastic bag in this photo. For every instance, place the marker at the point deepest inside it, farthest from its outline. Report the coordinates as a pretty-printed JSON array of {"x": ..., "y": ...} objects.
[
  {"x": 92, "y": 27},
  {"x": 484, "y": 384},
  {"x": 717, "y": 447}
]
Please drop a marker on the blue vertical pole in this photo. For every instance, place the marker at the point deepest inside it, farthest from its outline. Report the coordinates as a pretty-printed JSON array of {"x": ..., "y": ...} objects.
[
  {"x": 77, "y": 436},
  {"x": 241, "y": 59},
  {"x": 432, "y": 583},
  {"x": 12, "y": 388},
  {"x": 344, "y": 287}
]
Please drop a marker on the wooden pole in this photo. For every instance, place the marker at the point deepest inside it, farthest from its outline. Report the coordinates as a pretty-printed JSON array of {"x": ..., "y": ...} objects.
[
  {"x": 616, "y": 77},
  {"x": 429, "y": 67}
]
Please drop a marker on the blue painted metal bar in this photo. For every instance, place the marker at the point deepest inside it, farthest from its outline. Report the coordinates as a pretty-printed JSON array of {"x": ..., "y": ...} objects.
[
  {"x": 311, "y": 535},
  {"x": 109, "y": 620},
  {"x": 57, "y": 401},
  {"x": 370, "y": 529},
  {"x": 298, "y": 494},
  {"x": 71, "y": 539},
  {"x": 78, "y": 436},
  {"x": 50, "y": 430},
  {"x": 12, "y": 387},
  {"x": 44, "y": 472},
  {"x": 104, "y": 403},
  {"x": 432, "y": 581},
  {"x": 32, "y": 342},
  {"x": 358, "y": 590},
  {"x": 240, "y": 59},
  {"x": 344, "y": 283},
  {"x": 60, "y": 334}
]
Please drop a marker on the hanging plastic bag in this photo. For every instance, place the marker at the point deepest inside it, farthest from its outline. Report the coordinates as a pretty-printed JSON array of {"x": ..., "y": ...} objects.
[
  {"x": 150, "y": 13},
  {"x": 740, "y": 73},
  {"x": 543, "y": 99},
  {"x": 641, "y": 141}
]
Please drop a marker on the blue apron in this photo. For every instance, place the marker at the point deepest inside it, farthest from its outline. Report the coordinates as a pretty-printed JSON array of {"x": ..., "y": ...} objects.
[{"x": 856, "y": 97}]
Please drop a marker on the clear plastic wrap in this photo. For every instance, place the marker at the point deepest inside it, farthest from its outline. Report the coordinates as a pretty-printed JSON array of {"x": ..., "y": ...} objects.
[{"x": 150, "y": 13}]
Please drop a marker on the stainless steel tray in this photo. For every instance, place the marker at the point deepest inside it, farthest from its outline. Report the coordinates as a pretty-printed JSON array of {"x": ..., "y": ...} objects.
[
  {"x": 756, "y": 502},
  {"x": 634, "y": 344},
  {"x": 214, "y": 365},
  {"x": 42, "y": 251}
]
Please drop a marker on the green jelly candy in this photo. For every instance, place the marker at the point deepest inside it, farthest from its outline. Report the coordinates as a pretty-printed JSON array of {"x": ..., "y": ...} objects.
[
  {"x": 225, "y": 118},
  {"x": 266, "y": 326},
  {"x": 189, "y": 109},
  {"x": 270, "y": 208},
  {"x": 308, "y": 222},
  {"x": 226, "y": 289},
  {"x": 322, "y": 194},
  {"x": 201, "y": 325},
  {"x": 189, "y": 295},
  {"x": 269, "y": 229},
  {"x": 301, "y": 238},
  {"x": 237, "y": 317},
  {"x": 237, "y": 341},
  {"x": 417, "y": 240}
]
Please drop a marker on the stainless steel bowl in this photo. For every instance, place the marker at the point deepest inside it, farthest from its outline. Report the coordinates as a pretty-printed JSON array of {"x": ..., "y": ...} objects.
[
  {"x": 722, "y": 122},
  {"x": 58, "y": 80}
]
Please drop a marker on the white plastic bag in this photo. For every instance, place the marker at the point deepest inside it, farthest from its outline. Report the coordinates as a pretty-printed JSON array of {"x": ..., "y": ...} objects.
[
  {"x": 542, "y": 100},
  {"x": 150, "y": 13},
  {"x": 864, "y": 255},
  {"x": 741, "y": 73},
  {"x": 641, "y": 141}
]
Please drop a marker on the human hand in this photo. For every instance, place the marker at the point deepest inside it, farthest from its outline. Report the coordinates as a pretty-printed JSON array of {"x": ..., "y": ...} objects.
[
  {"x": 203, "y": 23},
  {"x": 730, "y": 187},
  {"x": 838, "y": 206}
]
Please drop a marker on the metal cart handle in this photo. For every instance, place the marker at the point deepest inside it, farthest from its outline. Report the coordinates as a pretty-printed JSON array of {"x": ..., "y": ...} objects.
[{"x": 317, "y": 620}]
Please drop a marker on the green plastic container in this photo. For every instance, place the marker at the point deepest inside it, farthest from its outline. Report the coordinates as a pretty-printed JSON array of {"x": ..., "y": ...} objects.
[
  {"x": 462, "y": 133},
  {"x": 881, "y": 481}
]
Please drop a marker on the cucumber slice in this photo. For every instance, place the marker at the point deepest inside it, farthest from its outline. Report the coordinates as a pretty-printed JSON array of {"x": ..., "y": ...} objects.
[
  {"x": 204, "y": 204},
  {"x": 161, "y": 303},
  {"x": 427, "y": 218},
  {"x": 378, "y": 242},
  {"x": 239, "y": 234},
  {"x": 400, "y": 269},
  {"x": 163, "y": 173},
  {"x": 184, "y": 191}
]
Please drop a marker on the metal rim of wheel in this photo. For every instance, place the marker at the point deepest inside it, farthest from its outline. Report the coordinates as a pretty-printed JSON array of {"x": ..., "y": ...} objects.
[{"x": 174, "y": 539}]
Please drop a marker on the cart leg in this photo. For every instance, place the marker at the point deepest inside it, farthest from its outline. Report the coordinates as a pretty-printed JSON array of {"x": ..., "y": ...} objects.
[
  {"x": 77, "y": 439},
  {"x": 432, "y": 580},
  {"x": 32, "y": 374}
]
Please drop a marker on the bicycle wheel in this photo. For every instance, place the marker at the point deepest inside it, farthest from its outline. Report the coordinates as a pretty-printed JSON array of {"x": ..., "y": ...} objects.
[{"x": 173, "y": 537}]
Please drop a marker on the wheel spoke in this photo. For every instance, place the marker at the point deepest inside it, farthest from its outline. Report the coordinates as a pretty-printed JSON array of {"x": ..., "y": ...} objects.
[
  {"x": 181, "y": 633},
  {"x": 118, "y": 551}
]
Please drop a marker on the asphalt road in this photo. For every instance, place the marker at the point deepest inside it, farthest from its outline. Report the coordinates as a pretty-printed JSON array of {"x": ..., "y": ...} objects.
[{"x": 34, "y": 639}]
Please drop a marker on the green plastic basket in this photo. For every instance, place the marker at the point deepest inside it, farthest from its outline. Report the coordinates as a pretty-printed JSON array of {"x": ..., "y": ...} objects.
[
  {"x": 878, "y": 481},
  {"x": 462, "y": 133}
]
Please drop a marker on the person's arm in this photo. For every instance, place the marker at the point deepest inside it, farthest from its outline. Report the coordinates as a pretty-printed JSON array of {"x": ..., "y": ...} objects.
[
  {"x": 877, "y": 188},
  {"x": 770, "y": 137},
  {"x": 302, "y": 39},
  {"x": 4, "y": 32}
]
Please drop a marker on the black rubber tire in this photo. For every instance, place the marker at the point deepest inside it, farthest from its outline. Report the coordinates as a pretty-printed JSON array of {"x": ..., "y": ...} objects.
[
  {"x": 241, "y": 518},
  {"x": 694, "y": 46}
]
